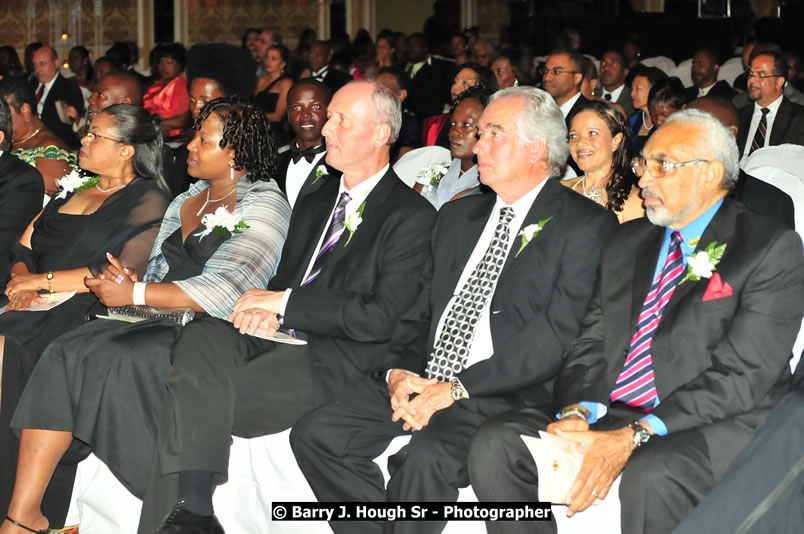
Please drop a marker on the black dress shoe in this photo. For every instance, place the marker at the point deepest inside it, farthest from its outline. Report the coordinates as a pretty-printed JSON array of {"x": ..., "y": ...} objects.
[{"x": 180, "y": 520}]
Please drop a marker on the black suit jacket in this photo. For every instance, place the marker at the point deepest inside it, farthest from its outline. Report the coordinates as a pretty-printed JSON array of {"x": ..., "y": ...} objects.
[
  {"x": 428, "y": 91},
  {"x": 310, "y": 183},
  {"x": 21, "y": 192},
  {"x": 720, "y": 365},
  {"x": 624, "y": 100},
  {"x": 765, "y": 199},
  {"x": 69, "y": 92},
  {"x": 350, "y": 311},
  {"x": 721, "y": 89},
  {"x": 539, "y": 300},
  {"x": 335, "y": 79},
  {"x": 788, "y": 126}
]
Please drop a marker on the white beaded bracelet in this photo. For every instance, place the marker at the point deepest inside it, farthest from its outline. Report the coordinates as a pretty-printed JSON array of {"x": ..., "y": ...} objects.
[{"x": 138, "y": 297}]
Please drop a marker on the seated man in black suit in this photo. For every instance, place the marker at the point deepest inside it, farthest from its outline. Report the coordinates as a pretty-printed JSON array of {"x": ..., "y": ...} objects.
[
  {"x": 21, "y": 192},
  {"x": 52, "y": 88},
  {"x": 760, "y": 196},
  {"x": 430, "y": 79},
  {"x": 302, "y": 168},
  {"x": 320, "y": 57},
  {"x": 349, "y": 270},
  {"x": 703, "y": 71},
  {"x": 507, "y": 283},
  {"x": 773, "y": 119},
  {"x": 761, "y": 492},
  {"x": 683, "y": 351},
  {"x": 612, "y": 86}
]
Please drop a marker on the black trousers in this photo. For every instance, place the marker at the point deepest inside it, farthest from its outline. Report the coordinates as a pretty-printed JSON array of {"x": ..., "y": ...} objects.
[
  {"x": 221, "y": 384},
  {"x": 662, "y": 481},
  {"x": 763, "y": 490},
  {"x": 336, "y": 444}
]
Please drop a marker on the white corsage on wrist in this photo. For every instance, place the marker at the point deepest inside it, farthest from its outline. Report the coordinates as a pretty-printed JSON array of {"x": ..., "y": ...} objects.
[
  {"x": 353, "y": 218},
  {"x": 75, "y": 183},
  {"x": 431, "y": 176},
  {"x": 222, "y": 221}
]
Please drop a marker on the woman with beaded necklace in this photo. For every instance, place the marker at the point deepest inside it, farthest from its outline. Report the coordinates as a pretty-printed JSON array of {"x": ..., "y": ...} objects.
[
  {"x": 599, "y": 143},
  {"x": 32, "y": 142}
]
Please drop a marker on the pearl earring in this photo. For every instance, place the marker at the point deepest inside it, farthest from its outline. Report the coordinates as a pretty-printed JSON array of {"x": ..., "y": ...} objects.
[{"x": 231, "y": 171}]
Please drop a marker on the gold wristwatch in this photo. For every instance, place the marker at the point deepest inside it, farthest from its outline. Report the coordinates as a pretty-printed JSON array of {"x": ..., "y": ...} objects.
[
  {"x": 457, "y": 390},
  {"x": 49, "y": 277}
]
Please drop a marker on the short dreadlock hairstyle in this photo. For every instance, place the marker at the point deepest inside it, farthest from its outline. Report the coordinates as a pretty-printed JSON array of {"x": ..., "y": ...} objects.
[
  {"x": 232, "y": 68},
  {"x": 247, "y": 132}
]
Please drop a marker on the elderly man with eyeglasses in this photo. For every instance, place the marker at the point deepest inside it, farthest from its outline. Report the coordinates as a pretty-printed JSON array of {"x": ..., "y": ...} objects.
[{"x": 683, "y": 351}]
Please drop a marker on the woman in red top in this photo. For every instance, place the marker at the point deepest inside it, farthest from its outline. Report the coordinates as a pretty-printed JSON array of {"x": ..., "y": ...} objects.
[{"x": 168, "y": 97}]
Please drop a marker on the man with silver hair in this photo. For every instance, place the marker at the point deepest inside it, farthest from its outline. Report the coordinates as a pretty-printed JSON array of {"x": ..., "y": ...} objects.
[
  {"x": 508, "y": 280},
  {"x": 683, "y": 350},
  {"x": 349, "y": 269}
]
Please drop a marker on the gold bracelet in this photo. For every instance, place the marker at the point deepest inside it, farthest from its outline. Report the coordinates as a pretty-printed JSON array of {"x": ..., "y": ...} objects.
[{"x": 50, "y": 287}]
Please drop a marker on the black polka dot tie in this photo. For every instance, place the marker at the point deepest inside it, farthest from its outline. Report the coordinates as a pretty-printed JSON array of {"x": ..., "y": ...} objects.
[{"x": 452, "y": 347}]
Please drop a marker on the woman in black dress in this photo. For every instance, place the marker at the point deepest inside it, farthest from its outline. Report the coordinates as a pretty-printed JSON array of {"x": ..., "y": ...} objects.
[
  {"x": 99, "y": 387},
  {"x": 118, "y": 212}
]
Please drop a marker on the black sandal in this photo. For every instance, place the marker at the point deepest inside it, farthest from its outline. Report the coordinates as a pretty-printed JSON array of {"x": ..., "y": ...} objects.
[{"x": 29, "y": 529}]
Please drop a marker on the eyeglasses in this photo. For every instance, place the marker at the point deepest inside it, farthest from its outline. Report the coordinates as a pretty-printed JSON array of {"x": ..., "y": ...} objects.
[
  {"x": 556, "y": 71},
  {"x": 92, "y": 136},
  {"x": 761, "y": 75},
  {"x": 658, "y": 168}
]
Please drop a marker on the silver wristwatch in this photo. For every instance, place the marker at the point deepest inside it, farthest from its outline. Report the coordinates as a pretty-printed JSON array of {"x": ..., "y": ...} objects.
[{"x": 641, "y": 434}]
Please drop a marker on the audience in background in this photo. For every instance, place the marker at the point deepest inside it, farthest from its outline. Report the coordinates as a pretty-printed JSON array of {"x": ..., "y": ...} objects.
[{"x": 167, "y": 97}]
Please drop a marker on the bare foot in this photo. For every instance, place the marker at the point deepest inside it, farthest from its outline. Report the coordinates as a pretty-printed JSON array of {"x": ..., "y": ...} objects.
[{"x": 38, "y": 523}]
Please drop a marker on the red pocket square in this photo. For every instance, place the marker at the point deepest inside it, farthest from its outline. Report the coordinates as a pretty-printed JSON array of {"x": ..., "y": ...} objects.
[{"x": 717, "y": 289}]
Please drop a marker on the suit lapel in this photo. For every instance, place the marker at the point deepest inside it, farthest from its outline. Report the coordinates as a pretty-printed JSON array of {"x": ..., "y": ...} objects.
[
  {"x": 719, "y": 230},
  {"x": 312, "y": 183},
  {"x": 465, "y": 238},
  {"x": 643, "y": 269},
  {"x": 546, "y": 205},
  {"x": 372, "y": 215},
  {"x": 781, "y": 123},
  {"x": 318, "y": 208},
  {"x": 745, "y": 125}
]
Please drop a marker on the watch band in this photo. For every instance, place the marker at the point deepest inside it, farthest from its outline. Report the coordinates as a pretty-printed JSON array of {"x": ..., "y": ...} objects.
[{"x": 50, "y": 287}]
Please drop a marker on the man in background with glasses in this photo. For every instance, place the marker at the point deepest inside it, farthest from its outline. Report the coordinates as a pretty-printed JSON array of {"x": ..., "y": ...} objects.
[
  {"x": 684, "y": 348},
  {"x": 562, "y": 77},
  {"x": 773, "y": 119}
]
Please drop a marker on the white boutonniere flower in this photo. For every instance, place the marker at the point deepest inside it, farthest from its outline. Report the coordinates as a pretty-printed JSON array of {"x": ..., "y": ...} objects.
[
  {"x": 75, "y": 183},
  {"x": 320, "y": 172},
  {"x": 431, "y": 176},
  {"x": 353, "y": 218},
  {"x": 529, "y": 232},
  {"x": 702, "y": 264},
  {"x": 222, "y": 221}
]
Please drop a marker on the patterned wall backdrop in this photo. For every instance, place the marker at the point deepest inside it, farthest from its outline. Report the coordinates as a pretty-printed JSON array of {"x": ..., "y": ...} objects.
[
  {"x": 91, "y": 23},
  {"x": 225, "y": 20}
]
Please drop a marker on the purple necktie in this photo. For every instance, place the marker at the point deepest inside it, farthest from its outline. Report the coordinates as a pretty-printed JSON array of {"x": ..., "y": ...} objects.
[{"x": 334, "y": 232}]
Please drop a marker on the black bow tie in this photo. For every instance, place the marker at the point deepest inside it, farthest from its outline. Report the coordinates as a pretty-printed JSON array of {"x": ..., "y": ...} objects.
[{"x": 308, "y": 154}]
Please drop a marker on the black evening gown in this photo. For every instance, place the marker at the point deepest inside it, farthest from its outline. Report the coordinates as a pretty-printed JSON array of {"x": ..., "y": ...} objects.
[
  {"x": 126, "y": 224},
  {"x": 105, "y": 381}
]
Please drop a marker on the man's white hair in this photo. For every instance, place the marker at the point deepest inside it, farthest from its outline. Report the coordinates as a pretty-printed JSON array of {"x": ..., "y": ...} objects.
[
  {"x": 717, "y": 142},
  {"x": 541, "y": 118}
]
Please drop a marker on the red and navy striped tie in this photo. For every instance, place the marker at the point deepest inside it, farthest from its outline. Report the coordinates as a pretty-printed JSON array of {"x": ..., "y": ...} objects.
[{"x": 635, "y": 385}]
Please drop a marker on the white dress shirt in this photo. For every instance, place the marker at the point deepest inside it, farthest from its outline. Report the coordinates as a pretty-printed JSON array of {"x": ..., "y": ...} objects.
[
  {"x": 482, "y": 346},
  {"x": 615, "y": 95},
  {"x": 296, "y": 175},
  {"x": 773, "y": 107},
  {"x": 359, "y": 193},
  {"x": 41, "y": 105},
  {"x": 566, "y": 107}
]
